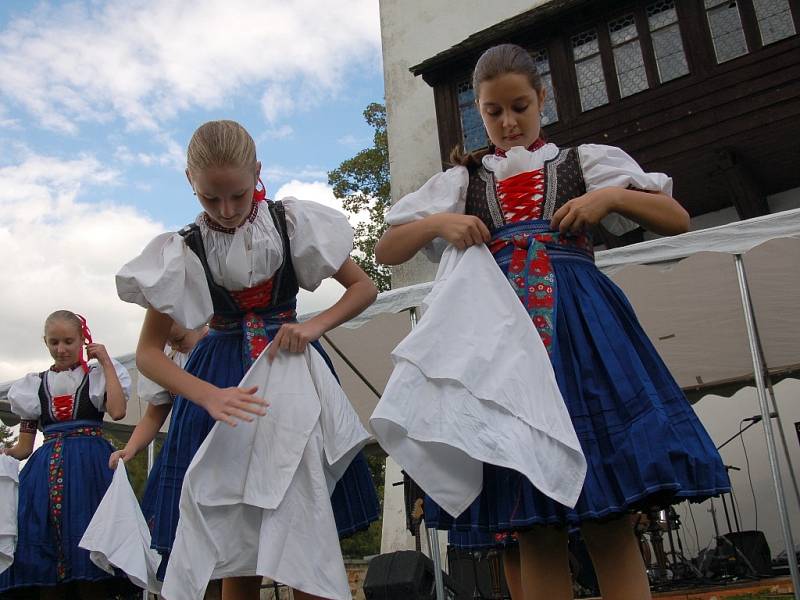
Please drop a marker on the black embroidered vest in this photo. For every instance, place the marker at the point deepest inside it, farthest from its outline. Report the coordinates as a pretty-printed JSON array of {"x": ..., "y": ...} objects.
[
  {"x": 563, "y": 181},
  {"x": 82, "y": 407},
  {"x": 285, "y": 286}
]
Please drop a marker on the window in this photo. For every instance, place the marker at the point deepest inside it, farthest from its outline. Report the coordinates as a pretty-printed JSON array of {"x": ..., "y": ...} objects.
[
  {"x": 471, "y": 122},
  {"x": 549, "y": 109},
  {"x": 662, "y": 19},
  {"x": 727, "y": 34},
  {"x": 589, "y": 70},
  {"x": 627, "y": 51},
  {"x": 774, "y": 20}
]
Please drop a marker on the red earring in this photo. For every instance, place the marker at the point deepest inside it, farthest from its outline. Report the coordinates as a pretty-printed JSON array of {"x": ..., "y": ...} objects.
[{"x": 259, "y": 195}]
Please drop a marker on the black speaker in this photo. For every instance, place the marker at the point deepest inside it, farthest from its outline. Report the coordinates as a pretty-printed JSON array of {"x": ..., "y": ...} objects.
[
  {"x": 406, "y": 575},
  {"x": 750, "y": 544}
]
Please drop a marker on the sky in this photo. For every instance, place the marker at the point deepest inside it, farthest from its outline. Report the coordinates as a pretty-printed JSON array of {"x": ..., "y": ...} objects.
[{"x": 98, "y": 99}]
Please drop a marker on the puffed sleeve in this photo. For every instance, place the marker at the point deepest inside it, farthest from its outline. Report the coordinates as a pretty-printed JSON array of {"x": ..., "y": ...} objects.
[
  {"x": 609, "y": 166},
  {"x": 97, "y": 383},
  {"x": 168, "y": 276},
  {"x": 321, "y": 240},
  {"x": 149, "y": 391},
  {"x": 444, "y": 192},
  {"x": 23, "y": 395}
]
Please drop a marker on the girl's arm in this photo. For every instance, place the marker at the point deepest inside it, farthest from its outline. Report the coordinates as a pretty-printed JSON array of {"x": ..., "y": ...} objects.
[
  {"x": 360, "y": 292},
  {"x": 401, "y": 242},
  {"x": 144, "y": 433},
  {"x": 226, "y": 405},
  {"x": 116, "y": 407},
  {"x": 655, "y": 212},
  {"x": 23, "y": 448}
]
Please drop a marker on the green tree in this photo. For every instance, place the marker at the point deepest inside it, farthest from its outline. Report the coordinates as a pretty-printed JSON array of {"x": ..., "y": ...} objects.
[
  {"x": 362, "y": 184},
  {"x": 7, "y": 438}
]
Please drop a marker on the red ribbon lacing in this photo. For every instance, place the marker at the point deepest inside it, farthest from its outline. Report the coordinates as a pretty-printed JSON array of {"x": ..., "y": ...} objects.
[
  {"x": 258, "y": 296},
  {"x": 520, "y": 195},
  {"x": 62, "y": 407}
]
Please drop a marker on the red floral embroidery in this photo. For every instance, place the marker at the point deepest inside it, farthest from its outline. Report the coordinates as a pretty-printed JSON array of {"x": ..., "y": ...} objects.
[{"x": 55, "y": 484}]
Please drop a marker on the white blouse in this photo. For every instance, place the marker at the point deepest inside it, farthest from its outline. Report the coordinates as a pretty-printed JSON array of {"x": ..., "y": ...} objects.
[
  {"x": 602, "y": 166},
  {"x": 169, "y": 276},
  {"x": 149, "y": 391},
  {"x": 24, "y": 393},
  {"x": 9, "y": 490}
]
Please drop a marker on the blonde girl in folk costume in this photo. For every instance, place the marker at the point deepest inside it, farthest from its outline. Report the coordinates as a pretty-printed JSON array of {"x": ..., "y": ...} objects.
[
  {"x": 63, "y": 482},
  {"x": 239, "y": 265},
  {"x": 533, "y": 203}
]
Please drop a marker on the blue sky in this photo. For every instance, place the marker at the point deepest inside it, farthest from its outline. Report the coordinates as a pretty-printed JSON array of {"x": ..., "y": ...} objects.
[{"x": 98, "y": 99}]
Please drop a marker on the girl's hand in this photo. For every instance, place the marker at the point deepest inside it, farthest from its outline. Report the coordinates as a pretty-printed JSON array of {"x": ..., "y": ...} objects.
[
  {"x": 99, "y": 352},
  {"x": 12, "y": 452},
  {"x": 584, "y": 211},
  {"x": 462, "y": 231},
  {"x": 232, "y": 404},
  {"x": 125, "y": 455},
  {"x": 294, "y": 337}
]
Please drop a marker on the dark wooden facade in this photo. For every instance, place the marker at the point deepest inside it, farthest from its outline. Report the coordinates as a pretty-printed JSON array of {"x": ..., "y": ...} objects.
[{"x": 727, "y": 132}]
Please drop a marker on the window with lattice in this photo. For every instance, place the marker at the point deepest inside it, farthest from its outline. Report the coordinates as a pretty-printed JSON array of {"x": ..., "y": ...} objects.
[
  {"x": 627, "y": 51},
  {"x": 589, "y": 70},
  {"x": 474, "y": 134},
  {"x": 665, "y": 33},
  {"x": 549, "y": 110},
  {"x": 727, "y": 34}
]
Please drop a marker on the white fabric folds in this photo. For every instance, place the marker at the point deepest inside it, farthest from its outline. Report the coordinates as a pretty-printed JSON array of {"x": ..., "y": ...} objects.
[
  {"x": 473, "y": 383},
  {"x": 9, "y": 498},
  {"x": 256, "y": 498},
  {"x": 118, "y": 536}
]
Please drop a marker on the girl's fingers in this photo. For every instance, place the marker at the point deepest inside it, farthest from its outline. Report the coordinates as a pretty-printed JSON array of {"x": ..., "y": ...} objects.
[{"x": 240, "y": 414}]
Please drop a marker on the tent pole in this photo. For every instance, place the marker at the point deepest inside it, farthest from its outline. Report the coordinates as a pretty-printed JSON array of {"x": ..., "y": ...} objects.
[
  {"x": 771, "y": 391},
  {"x": 433, "y": 534},
  {"x": 785, "y": 445},
  {"x": 758, "y": 372}
]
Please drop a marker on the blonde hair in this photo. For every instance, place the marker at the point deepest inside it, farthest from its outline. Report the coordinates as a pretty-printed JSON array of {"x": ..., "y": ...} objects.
[
  {"x": 64, "y": 315},
  {"x": 220, "y": 144}
]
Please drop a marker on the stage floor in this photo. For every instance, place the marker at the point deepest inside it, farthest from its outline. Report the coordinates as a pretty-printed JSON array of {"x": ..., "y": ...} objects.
[{"x": 765, "y": 589}]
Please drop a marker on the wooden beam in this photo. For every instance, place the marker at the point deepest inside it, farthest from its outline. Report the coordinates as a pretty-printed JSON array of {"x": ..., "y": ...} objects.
[{"x": 747, "y": 195}]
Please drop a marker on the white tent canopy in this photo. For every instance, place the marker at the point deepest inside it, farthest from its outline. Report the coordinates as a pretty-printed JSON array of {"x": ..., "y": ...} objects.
[{"x": 687, "y": 298}]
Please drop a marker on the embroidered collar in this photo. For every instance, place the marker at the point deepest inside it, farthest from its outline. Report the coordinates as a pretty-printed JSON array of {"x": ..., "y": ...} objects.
[
  {"x": 211, "y": 224},
  {"x": 532, "y": 148},
  {"x": 72, "y": 367}
]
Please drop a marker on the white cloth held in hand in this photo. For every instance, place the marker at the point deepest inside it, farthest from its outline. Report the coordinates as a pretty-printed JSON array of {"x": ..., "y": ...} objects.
[
  {"x": 473, "y": 384},
  {"x": 256, "y": 498},
  {"x": 9, "y": 498},
  {"x": 118, "y": 536}
]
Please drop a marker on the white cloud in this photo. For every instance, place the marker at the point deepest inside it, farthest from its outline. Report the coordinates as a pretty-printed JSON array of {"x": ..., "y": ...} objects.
[
  {"x": 318, "y": 191},
  {"x": 61, "y": 251},
  {"x": 145, "y": 61},
  {"x": 280, "y": 132}
]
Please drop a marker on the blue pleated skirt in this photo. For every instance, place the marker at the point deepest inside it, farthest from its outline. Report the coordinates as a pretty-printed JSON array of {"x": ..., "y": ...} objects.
[
  {"x": 86, "y": 479},
  {"x": 644, "y": 445},
  {"x": 217, "y": 359}
]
